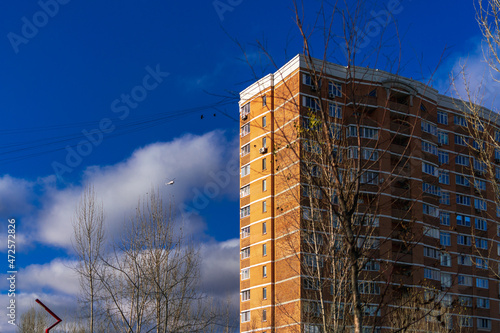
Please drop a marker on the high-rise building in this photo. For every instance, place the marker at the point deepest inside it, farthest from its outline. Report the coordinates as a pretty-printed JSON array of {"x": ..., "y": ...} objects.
[{"x": 340, "y": 163}]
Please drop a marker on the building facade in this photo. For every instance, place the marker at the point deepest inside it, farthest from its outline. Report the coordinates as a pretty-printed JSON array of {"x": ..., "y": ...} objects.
[{"x": 335, "y": 159}]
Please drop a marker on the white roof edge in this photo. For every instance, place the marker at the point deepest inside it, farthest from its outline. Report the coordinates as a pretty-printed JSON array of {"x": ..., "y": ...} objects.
[{"x": 360, "y": 73}]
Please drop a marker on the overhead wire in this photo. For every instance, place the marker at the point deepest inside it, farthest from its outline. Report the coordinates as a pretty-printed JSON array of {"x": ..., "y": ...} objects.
[{"x": 123, "y": 127}]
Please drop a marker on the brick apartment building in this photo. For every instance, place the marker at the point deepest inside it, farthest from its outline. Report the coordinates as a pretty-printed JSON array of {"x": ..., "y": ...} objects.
[{"x": 433, "y": 217}]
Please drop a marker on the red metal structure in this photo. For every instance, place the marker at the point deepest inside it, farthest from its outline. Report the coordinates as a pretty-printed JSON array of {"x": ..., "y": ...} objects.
[{"x": 51, "y": 313}]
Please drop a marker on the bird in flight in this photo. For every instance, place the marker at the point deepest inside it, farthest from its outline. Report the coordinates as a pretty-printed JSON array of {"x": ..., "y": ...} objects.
[{"x": 170, "y": 182}]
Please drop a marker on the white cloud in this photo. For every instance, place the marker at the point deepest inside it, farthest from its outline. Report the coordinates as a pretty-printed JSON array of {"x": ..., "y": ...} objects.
[
  {"x": 57, "y": 276},
  {"x": 471, "y": 72},
  {"x": 220, "y": 268},
  {"x": 15, "y": 196},
  {"x": 198, "y": 164}
]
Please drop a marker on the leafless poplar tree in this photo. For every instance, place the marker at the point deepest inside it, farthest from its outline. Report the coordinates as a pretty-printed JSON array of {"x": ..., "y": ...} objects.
[
  {"x": 33, "y": 321},
  {"x": 151, "y": 279},
  {"x": 88, "y": 226}
]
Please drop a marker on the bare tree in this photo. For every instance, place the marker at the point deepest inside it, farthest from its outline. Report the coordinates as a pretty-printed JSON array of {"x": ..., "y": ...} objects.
[
  {"x": 34, "y": 320},
  {"x": 151, "y": 279},
  {"x": 88, "y": 227},
  {"x": 344, "y": 153}
]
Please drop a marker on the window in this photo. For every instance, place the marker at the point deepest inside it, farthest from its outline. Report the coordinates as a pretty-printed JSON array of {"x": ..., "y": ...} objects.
[
  {"x": 334, "y": 89},
  {"x": 442, "y": 138},
  {"x": 431, "y": 232},
  {"x": 482, "y": 283},
  {"x": 244, "y": 191},
  {"x": 245, "y": 170},
  {"x": 264, "y": 142},
  {"x": 482, "y": 243},
  {"x": 369, "y": 177},
  {"x": 483, "y": 323},
  {"x": 443, "y": 157},
  {"x": 264, "y": 121},
  {"x": 245, "y": 232},
  {"x": 264, "y": 101},
  {"x": 462, "y": 180},
  {"x": 430, "y": 210},
  {"x": 245, "y": 253},
  {"x": 431, "y": 253},
  {"x": 264, "y": 249},
  {"x": 445, "y": 238},
  {"x": 459, "y": 120},
  {"x": 314, "y": 192},
  {"x": 371, "y": 288},
  {"x": 429, "y": 169},
  {"x": 306, "y": 79},
  {"x": 444, "y": 177},
  {"x": 445, "y": 259},
  {"x": 264, "y": 315},
  {"x": 371, "y": 310},
  {"x": 364, "y": 132},
  {"x": 311, "y": 103},
  {"x": 264, "y": 206},
  {"x": 372, "y": 265},
  {"x": 429, "y": 148},
  {"x": 335, "y": 110},
  {"x": 463, "y": 220},
  {"x": 369, "y": 154},
  {"x": 442, "y": 118},
  {"x": 312, "y": 260},
  {"x": 432, "y": 274},
  {"x": 465, "y": 321},
  {"x": 428, "y": 127},
  {"x": 264, "y": 271},
  {"x": 245, "y": 273},
  {"x": 245, "y": 295},
  {"x": 481, "y": 263},
  {"x": 431, "y": 189},
  {"x": 312, "y": 328},
  {"x": 464, "y": 280},
  {"x": 264, "y": 185},
  {"x": 244, "y": 212},
  {"x": 444, "y": 218},
  {"x": 264, "y": 164},
  {"x": 311, "y": 284},
  {"x": 445, "y": 198},
  {"x": 480, "y": 204},
  {"x": 479, "y": 167},
  {"x": 480, "y": 224},
  {"x": 465, "y": 301},
  {"x": 311, "y": 146},
  {"x": 480, "y": 184},
  {"x": 245, "y": 129},
  {"x": 245, "y": 110},
  {"x": 464, "y": 260},
  {"x": 264, "y": 227},
  {"x": 245, "y": 150},
  {"x": 446, "y": 280},
  {"x": 461, "y": 140},
  {"x": 245, "y": 316},
  {"x": 463, "y": 200},
  {"x": 446, "y": 300},
  {"x": 462, "y": 160},
  {"x": 463, "y": 240},
  {"x": 264, "y": 293}
]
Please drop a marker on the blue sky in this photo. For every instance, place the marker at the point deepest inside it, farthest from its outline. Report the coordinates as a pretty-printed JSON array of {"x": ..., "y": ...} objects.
[{"x": 72, "y": 72}]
